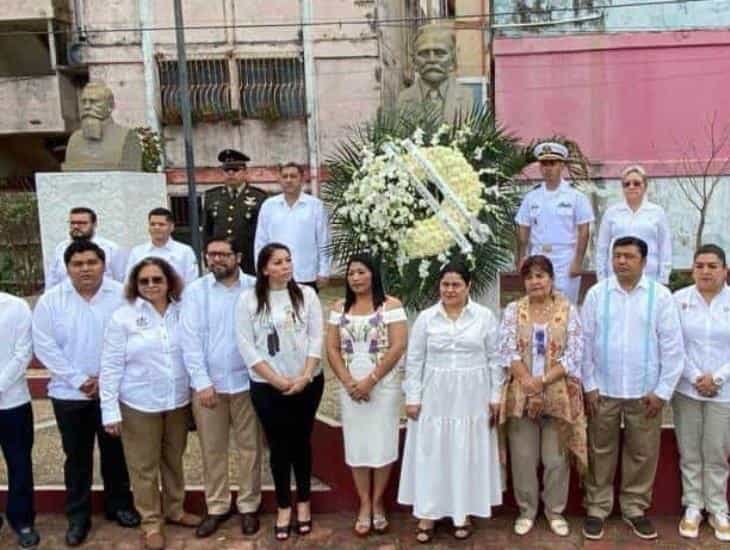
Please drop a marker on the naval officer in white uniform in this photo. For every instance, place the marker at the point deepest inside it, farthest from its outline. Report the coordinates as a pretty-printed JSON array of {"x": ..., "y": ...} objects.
[{"x": 554, "y": 220}]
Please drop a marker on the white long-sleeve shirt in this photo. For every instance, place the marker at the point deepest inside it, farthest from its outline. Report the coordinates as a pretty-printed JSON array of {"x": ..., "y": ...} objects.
[
  {"x": 650, "y": 224},
  {"x": 468, "y": 342},
  {"x": 706, "y": 331},
  {"x": 16, "y": 351},
  {"x": 179, "y": 255},
  {"x": 68, "y": 334},
  {"x": 114, "y": 268},
  {"x": 142, "y": 364},
  {"x": 303, "y": 227},
  {"x": 632, "y": 340},
  {"x": 298, "y": 337},
  {"x": 208, "y": 331},
  {"x": 572, "y": 358}
]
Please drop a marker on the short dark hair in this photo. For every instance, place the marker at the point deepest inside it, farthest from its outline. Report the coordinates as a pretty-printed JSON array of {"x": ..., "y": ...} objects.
[
  {"x": 160, "y": 211},
  {"x": 456, "y": 267},
  {"x": 291, "y": 164},
  {"x": 174, "y": 282},
  {"x": 712, "y": 249},
  {"x": 223, "y": 239},
  {"x": 83, "y": 245},
  {"x": 632, "y": 241},
  {"x": 539, "y": 261},
  {"x": 84, "y": 210}
]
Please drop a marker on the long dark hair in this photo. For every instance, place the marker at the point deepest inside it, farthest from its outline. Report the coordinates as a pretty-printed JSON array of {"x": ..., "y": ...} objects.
[
  {"x": 376, "y": 282},
  {"x": 174, "y": 282},
  {"x": 262, "y": 282}
]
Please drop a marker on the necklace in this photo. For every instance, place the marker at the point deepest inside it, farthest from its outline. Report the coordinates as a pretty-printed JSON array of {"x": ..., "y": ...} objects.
[{"x": 542, "y": 311}]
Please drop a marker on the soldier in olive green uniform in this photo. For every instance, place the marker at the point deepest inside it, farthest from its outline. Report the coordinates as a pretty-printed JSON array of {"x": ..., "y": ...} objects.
[{"x": 232, "y": 209}]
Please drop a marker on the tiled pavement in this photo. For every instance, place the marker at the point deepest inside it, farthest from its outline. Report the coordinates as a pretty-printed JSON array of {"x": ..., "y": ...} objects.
[{"x": 332, "y": 531}]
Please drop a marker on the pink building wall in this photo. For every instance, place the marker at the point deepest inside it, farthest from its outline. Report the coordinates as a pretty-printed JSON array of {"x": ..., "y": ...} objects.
[{"x": 629, "y": 97}]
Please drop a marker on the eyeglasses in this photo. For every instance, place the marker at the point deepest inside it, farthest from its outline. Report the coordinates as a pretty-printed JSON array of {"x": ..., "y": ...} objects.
[
  {"x": 223, "y": 255},
  {"x": 540, "y": 341},
  {"x": 632, "y": 183},
  {"x": 148, "y": 281}
]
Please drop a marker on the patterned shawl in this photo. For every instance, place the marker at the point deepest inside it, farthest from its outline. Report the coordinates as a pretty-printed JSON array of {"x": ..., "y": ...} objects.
[{"x": 563, "y": 399}]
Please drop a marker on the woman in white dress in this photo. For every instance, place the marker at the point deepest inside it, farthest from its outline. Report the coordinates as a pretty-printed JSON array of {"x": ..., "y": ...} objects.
[
  {"x": 636, "y": 217},
  {"x": 366, "y": 339},
  {"x": 453, "y": 381}
]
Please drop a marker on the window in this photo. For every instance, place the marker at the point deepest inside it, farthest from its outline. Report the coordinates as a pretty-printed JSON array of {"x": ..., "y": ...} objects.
[
  {"x": 209, "y": 82},
  {"x": 271, "y": 88}
]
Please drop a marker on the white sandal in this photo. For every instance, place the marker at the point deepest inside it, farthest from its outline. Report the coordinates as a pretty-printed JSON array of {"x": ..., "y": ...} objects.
[{"x": 559, "y": 526}]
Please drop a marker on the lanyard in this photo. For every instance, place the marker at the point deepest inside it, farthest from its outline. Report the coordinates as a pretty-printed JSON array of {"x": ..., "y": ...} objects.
[{"x": 647, "y": 330}]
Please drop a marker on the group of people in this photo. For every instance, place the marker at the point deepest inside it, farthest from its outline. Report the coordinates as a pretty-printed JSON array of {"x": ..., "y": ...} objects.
[{"x": 137, "y": 361}]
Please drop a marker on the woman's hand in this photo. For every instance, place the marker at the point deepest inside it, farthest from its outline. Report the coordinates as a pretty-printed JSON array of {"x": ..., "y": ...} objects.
[
  {"x": 412, "y": 411},
  {"x": 114, "y": 429},
  {"x": 535, "y": 405},
  {"x": 531, "y": 384},
  {"x": 283, "y": 383},
  {"x": 705, "y": 386},
  {"x": 297, "y": 385},
  {"x": 362, "y": 389}
]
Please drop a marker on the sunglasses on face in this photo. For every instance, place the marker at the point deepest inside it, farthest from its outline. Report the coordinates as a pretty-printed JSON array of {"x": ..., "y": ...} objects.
[
  {"x": 232, "y": 170},
  {"x": 540, "y": 341},
  {"x": 148, "y": 281},
  {"x": 632, "y": 183}
]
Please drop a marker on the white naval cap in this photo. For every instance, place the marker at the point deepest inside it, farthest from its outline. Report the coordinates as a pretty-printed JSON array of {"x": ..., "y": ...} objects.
[{"x": 550, "y": 150}]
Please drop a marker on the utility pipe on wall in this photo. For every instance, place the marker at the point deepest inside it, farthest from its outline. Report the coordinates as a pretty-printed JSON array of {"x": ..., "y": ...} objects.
[{"x": 310, "y": 90}]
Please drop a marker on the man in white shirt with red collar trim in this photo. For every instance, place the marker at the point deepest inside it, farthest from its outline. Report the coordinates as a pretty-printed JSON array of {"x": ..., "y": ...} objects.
[
  {"x": 553, "y": 220},
  {"x": 161, "y": 245},
  {"x": 633, "y": 358},
  {"x": 68, "y": 333},
  {"x": 16, "y": 417},
  {"x": 299, "y": 221}
]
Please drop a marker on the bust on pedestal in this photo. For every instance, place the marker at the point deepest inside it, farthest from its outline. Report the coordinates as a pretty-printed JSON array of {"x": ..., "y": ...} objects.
[
  {"x": 101, "y": 143},
  {"x": 436, "y": 85}
]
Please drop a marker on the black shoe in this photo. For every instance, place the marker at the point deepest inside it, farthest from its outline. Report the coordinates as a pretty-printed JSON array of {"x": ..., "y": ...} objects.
[
  {"x": 210, "y": 525},
  {"x": 77, "y": 533},
  {"x": 642, "y": 527},
  {"x": 125, "y": 518},
  {"x": 28, "y": 537},
  {"x": 250, "y": 523},
  {"x": 593, "y": 528}
]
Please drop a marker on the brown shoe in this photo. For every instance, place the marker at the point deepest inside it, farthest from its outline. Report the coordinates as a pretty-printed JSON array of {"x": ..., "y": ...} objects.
[
  {"x": 154, "y": 541},
  {"x": 186, "y": 520},
  {"x": 249, "y": 523}
]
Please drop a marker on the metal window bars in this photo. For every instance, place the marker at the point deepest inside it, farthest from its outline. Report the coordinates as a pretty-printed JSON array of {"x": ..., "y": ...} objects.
[
  {"x": 271, "y": 88},
  {"x": 210, "y": 97}
]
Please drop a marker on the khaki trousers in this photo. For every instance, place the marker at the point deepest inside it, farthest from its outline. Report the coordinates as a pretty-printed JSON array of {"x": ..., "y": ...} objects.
[
  {"x": 233, "y": 413},
  {"x": 154, "y": 444},
  {"x": 529, "y": 442},
  {"x": 703, "y": 436},
  {"x": 639, "y": 457}
]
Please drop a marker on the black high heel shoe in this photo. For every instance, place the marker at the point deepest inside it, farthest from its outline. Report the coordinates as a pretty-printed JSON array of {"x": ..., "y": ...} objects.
[
  {"x": 282, "y": 533},
  {"x": 304, "y": 527}
]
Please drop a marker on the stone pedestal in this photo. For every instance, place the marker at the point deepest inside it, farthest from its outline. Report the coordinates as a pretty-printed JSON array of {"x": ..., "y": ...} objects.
[{"x": 121, "y": 201}]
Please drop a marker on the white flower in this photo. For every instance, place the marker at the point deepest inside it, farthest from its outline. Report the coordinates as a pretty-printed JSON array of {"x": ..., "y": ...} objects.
[{"x": 423, "y": 268}]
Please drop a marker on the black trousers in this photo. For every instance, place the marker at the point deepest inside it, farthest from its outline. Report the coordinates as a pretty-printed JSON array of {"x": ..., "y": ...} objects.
[
  {"x": 16, "y": 440},
  {"x": 80, "y": 424},
  {"x": 287, "y": 421}
]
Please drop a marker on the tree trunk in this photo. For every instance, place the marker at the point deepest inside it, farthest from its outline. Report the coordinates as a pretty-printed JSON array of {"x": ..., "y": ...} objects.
[{"x": 700, "y": 227}]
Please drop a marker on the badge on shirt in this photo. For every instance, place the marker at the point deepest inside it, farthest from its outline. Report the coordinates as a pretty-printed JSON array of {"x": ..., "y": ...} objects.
[{"x": 142, "y": 322}]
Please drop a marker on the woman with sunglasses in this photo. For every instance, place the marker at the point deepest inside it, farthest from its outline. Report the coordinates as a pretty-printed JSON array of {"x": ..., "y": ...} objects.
[
  {"x": 279, "y": 333},
  {"x": 636, "y": 217},
  {"x": 145, "y": 395},
  {"x": 542, "y": 400}
]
